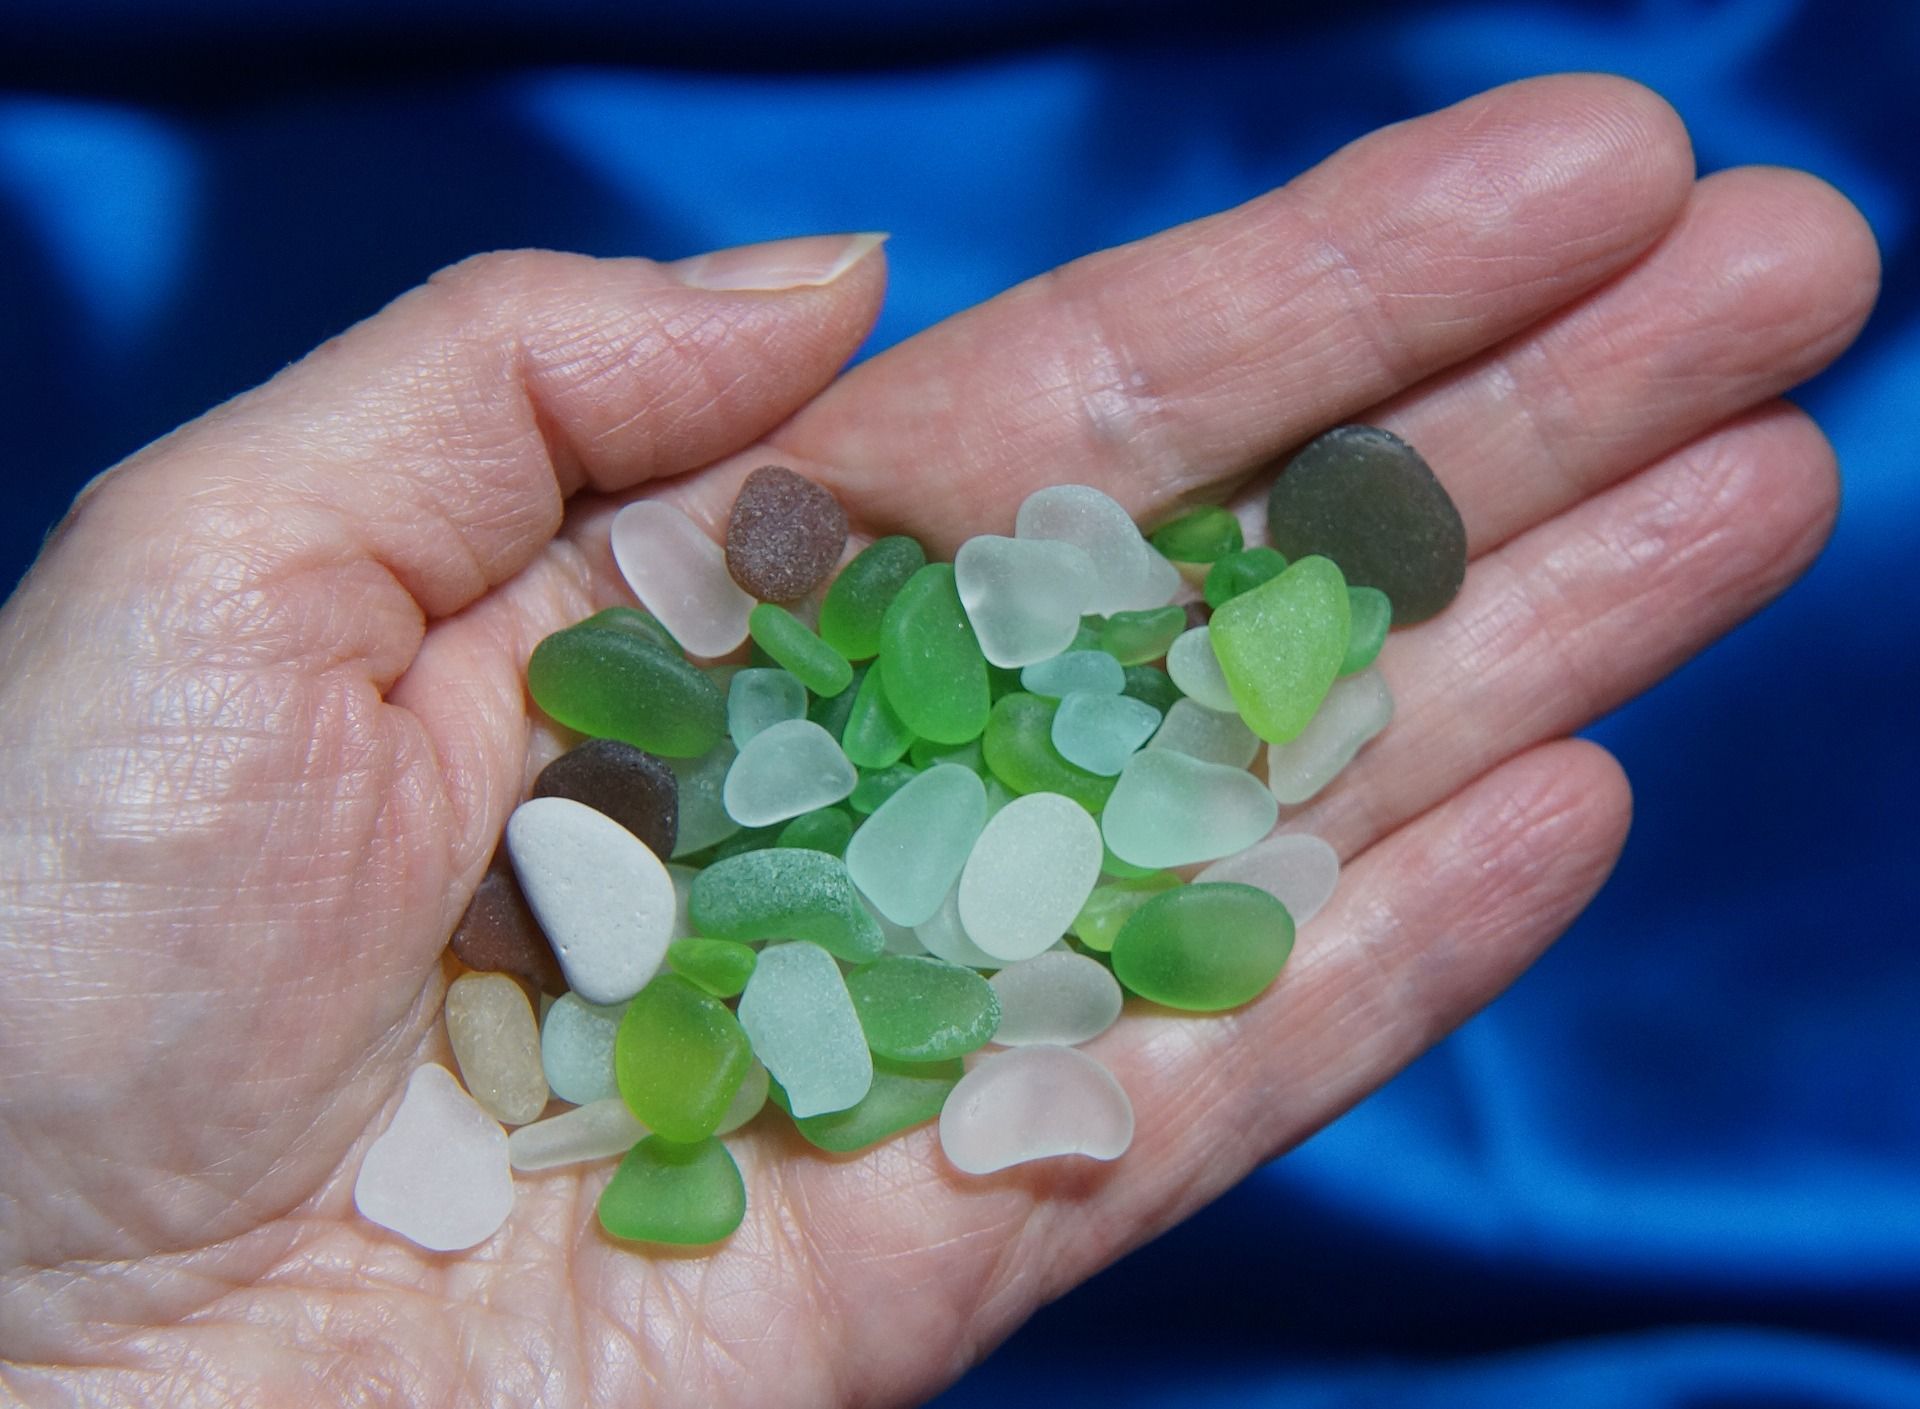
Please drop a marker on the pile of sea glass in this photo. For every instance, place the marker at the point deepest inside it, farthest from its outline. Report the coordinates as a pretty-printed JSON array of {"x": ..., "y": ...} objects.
[{"x": 903, "y": 861}]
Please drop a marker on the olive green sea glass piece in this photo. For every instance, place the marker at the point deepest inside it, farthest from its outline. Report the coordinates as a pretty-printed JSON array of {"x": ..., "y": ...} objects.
[
  {"x": 1369, "y": 614},
  {"x": 1364, "y": 498},
  {"x": 915, "y": 1009},
  {"x": 1019, "y": 751},
  {"x": 857, "y": 602},
  {"x": 784, "y": 637},
  {"x": 642, "y": 624},
  {"x": 829, "y": 829},
  {"x": 678, "y": 1058},
  {"x": 615, "y": 683},
  {"x": 930, "y": 664},
  {"x": 1280, "y": 646},
  {"x": 1134, "y": 638},
  {"x": 785, "y": 893},
  {"x": 875, "y": 735},
  {"x": 876, "y": 785},
  {"x": 685, "y": 1195},
  {"x": 1204, "y": 947},
  {"x": 1241, "y": 572},
  {"x": 717, "y": 966},
  {"x": 1153, "y": 685},
  {"x": 1112, "y": 904},
  {"x": 1203, "y": 535},
  {"x": 903, "y": 1095}
]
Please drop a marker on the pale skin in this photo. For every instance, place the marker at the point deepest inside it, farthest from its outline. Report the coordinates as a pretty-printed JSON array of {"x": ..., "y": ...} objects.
[{"x": 262, "y": 720}]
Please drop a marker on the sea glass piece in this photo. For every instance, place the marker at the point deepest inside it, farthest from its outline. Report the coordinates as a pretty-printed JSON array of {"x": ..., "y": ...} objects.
[
  {"x": 678, "y": 1057},
  {"x": 603, "y": 899},
  {"x": 1094, "y": 523},
  {"x": 1112, "y": 904},
  {"x": 1204, "y": 948},
  {"x": 1101, "y": 732},
  {"x": 616, "y": 684},
  {"x": 785, "y": 770},
  {"x": 1075, "y": 672},
  {"x": 1280, "y": 647},
  {"x": 1193, "y": 729},
  {"x": 438, "y": 1175},
  {"x": 1171, "y": 810},
  {"x": 641, "y": 623},
  {"x": 1058, "y": 997},
  {"x": 703, "y": 816},
  {"x": 784, "y": 535},
  {"x": 1134, "y": 638},
  {"x": 875, "y": 735},
  {"x": 496, "y": 1044},
  {"x": 876, "y": 785},
  {"x": 680, "y": 575},
  {"x": 758, "y": 698},
  {"x": 1366, "y": 499},
  {"x": 930, "y": 663},
  {"x": 498, "y": 933},
  {"x": 895, "y": 939},
  {"x": 1369, "y": 616},
  {"x": 832, "y": 712},
  {"x": 717, "y": 966},
  {"x": 1159, "y": 583},
  {"x": 576, "y": 1049},
  {"x": 1018, "y": 748},
  {"x": 803, "y": 1026},
  {"x": 925, "y": 753},
  {"x": 829, "y": 830},
  {"x": 1355, "y": 709},
  {"x": 596, "y": 1130},
  {"x": 909, "y": 853},
  {"x": 1029, "y": 1103},
  {"x": 1298, "y": 870},
  {"x": 785, "y": 638},
  {"x": 922, "y": 1009},
  {"x": 747, "y": 1102},
  {"x": 628, "y": 784},
  {"x": 1241, "y": 572},
  {"x": 1029, "y": 874},
  {"x": 903, "y": 1095},
  {"x": 857, "y": 602},
  {"x": 683, "y": 1195},
  {"x": 1023, "y": 596},
  {"x": 1201, "y": 535},
  {"x": 944, "y": 937},
  {"x": 1151, "y": 685},
  {"x": 1195, "y": 669},
  {"x": 785, "y": 893}
]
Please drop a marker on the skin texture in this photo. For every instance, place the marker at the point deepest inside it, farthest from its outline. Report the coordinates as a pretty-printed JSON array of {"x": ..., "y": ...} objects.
[{"x": 261, "y": 722}]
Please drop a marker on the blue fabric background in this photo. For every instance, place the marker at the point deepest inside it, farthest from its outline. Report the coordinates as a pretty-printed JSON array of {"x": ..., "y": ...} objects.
[{"x": 1680, "y": 1163}]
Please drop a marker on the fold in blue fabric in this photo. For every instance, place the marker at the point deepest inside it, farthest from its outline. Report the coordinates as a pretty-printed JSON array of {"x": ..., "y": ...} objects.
[{"x": 1679, "y": 1163}]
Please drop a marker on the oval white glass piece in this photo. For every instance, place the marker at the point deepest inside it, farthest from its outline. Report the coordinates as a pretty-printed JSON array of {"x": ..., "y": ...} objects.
[
  {"x": 1029, "y": 874},
  {"x": 1097, "y": 525},
  {"x": 680, "y": 575},
  {"x": 1029, "y": 1103}
]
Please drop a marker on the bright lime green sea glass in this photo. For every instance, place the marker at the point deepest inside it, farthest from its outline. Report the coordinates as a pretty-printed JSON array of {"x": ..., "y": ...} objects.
[
  {"x": 678, "y": 1057},
  {"x": 717, "y": 966},
  {"x": 1281, "y": 645}
]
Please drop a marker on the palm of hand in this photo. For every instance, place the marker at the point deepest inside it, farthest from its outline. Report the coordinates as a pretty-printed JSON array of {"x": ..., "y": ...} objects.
[{"x": 258, "y": 756}]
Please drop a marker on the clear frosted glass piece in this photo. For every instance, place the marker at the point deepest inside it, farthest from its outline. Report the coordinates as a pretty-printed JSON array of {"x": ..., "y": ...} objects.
[
  {"x": 1059, "y": 997},
  {"x": 438, "y": 1175},
  {"x": 1196, "y": 670},
  {"x": 1029, "y": 874},
  {"x": 802, "y": 1024},
  {"x": 1354, "y": 710},
  {"x": 703, "y": 817},
  {"x": 908, "y": 854},
  {"x": 786, "y": 769},
  {"x": 945, "y": 937},
  {"x": 1024, "y": 596},
  {"x": 1101, "y": 732},
  {"x": 758, "y": 698},
  {"x": 1074, "y": 673},
  {"x": 605, "y": 901},
  {"x": 1172, "y": 810},
  {"x": 576, "y": 1049},
  {"x": 1096, "y": 524},
  {"x": 1030, "y": 1103},
  {"x": 896, "y": 939},
  {"x": 1298, "y": 870},
  {"x": 680, "y": 575},
  {"x": 598, "y": 1130},
  {"x": 1160, "y": 581},
  {"x": 1198, "y": 732}
]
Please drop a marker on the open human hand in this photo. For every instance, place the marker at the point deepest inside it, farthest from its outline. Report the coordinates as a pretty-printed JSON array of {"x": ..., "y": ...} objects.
[{"x": 262, "y": 719}]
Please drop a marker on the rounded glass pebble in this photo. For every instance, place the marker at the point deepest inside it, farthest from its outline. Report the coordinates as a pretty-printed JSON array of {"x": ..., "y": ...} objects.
[
  {"x": 685, "y": 1195},
  {"x": 1195, "y": 669},
  {"x": 786, "y": 769},
  {"x": 930, "y": 662},
  {"x": 923, "y": 1009},
  {"x": 1134, "y": 638},
  {"x": 1019, "y": 752},
  {"x": 594, "y": 1131},
  {"x": 785, "y": 893},
  {"x": 786, "y": 639},
  {"x": 1111, "y": 905},
  {"x": 703, "y": 816},
  {"x": 717, "y": 966},
  {"x": 1172, "y": 810},
  {"x": 1028, "y": 875},
  {"x": 1101, "y": 732},
  {"x": 679, "y": 1056},
  {"x": 1369, "y": 616},
  {"x": 1193, "y": 729},
  {"x": 903, "y": 1095},
  {"x": 1241, "y": 572},
  {"x": 944, "y": 937},
  {"x": 875, "y": 735},
  {"x": 1023, "y": 596},
  {"x": 857, "y": 603},
  {"x": 910, "y": 852},
  {"x": 576, "y": 1049},
  {"x": 680, "y": 575},
  {"x": 1280, "y": 647},
  {"x": 1097, "y": 525},
  {"x": 1029, "y": 1103},
  {"x": 614, "y": 684},
  {"x": 1204, "y": 948},
  {"x": 1058, "y": 997},
  {"x": 802, "y": 1023},
  {"x": 1201, "y": 535},
  {"x": 1298, "y": 870}
]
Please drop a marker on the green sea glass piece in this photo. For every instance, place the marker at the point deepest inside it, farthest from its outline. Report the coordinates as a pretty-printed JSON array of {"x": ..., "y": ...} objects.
[
  {"x": 1112, "y": 904},
  {"x": 925, "y": 753},
  {"x": 1134, "y": 638},
  {"x": 930, "y": 664},
  {"x": 1152, "y": 685},
  {"x": 717, "y": 966},
  {"x": 782, "y": 636},
  {"x": 1241, "y": 572},
  {"x": 1280, "y": 646},
  {"x": 1019, "y": 751},
  {"x": 1111, "y": 865},
  {"x": 876, "y": 785},
  {"x": 875, "y": 736},
  {"x": 1205, "y": 947},
  {"x": 857, "y": 602},
  {"x": 903, "y": 1095},
  {"x": 916, "y": 1009},
  {"x": 829, "y": 829},
  {"x": 642, "y": 624},
  {"x": 678, "y": 1058},
  {"x": 785, "y": 893},
  {"x": 615, "y": 683},
  {"x": 1369, "y": 614},
  {"x": 1203, "y": 535},
  {"x": 831, "y": 712},
  {"x": 684, "y": 1195}
]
